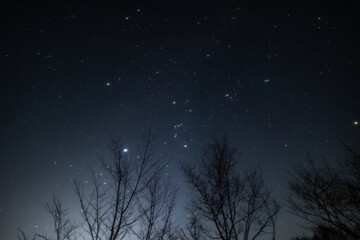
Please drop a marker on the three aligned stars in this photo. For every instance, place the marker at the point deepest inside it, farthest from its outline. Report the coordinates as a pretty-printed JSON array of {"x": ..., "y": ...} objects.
[{"x": 227, "y": 95}]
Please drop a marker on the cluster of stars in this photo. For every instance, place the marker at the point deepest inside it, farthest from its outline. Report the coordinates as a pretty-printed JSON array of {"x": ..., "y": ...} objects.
[{"x": 158, "y": 84}]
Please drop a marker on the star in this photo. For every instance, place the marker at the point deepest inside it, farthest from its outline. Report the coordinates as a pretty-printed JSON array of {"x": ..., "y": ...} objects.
[
  {"x": 356, "y": 123},
  {"x": 125, "y": 150}
]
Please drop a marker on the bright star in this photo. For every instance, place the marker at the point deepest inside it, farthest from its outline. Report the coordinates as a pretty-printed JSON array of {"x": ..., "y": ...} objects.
[{"x": 125, "y": 150}]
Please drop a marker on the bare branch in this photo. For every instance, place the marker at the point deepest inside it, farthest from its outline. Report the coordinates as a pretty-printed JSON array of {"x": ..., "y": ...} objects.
[
  {"x": 22, "y": 235},
  {"x": 229, "y": 204},
  {"x": 328, "y": 197}
]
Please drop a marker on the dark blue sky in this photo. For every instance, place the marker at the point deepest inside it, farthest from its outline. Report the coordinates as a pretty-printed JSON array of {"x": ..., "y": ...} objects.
[{"x": 281, "y": 80}]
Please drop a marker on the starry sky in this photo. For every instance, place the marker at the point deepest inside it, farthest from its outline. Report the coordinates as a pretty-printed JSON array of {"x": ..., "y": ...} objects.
[{"x": 280, "y": 79}]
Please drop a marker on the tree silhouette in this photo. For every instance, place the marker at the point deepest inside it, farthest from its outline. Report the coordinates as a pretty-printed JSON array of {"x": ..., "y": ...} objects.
[
  {"x": 230, "y": 205},
  {"x": 111, "y": 211},
  {"x": 194, "y": 229},
  {"x": 328, "y": 197},
  {"x": 64, "y": 227},
  {"x": 22, "y": 235},
  {"x": 156, "y": 204}
]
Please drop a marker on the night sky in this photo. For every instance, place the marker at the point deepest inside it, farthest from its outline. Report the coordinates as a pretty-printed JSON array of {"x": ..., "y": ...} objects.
[{"x": 280, "y": 79}]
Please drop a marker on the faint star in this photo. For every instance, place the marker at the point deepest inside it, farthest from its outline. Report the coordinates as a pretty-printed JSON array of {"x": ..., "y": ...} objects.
[{"x": 108, "y": 84}]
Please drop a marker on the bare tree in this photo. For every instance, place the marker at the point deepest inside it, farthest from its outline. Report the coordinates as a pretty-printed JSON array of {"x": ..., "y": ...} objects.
[
  {"x": 94, "y": 207},
  {"x": 64, "y": 228},
  {"x": 272, "y": 209},
  {"x": 157, "y": 204},
  {"x": 230, "y": 205},
  {"x": 329, "y": 197},
  {"x": 111, "y": 211},
  {"x": 260, "y": 208},
  {"x": 194, "y": 229},
  {"x": 22, "y": 235}
]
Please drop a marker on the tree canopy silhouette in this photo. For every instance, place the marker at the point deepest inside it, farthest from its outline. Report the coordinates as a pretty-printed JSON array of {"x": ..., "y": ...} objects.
[
  {"x": 137, "y": 201},
  {"x": 328, "y": 197},
  {"x": 227, "y": 203},
  {"x": 64, "y": 227}
]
